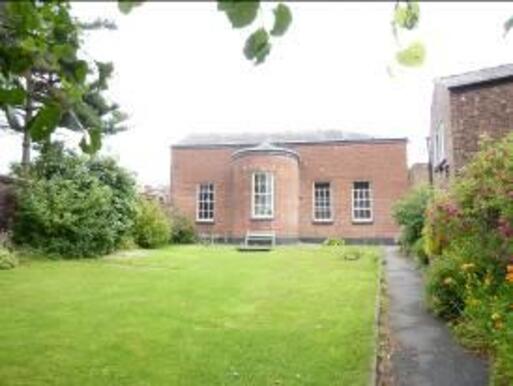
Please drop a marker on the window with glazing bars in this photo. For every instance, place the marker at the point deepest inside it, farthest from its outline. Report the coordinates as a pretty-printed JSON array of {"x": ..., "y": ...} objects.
[
  {"x": 322, "y": 201},
  {"x": 262, "y": 200},
  {"x": 362, "y": 201},
  {"x": 205, "y": 204}
]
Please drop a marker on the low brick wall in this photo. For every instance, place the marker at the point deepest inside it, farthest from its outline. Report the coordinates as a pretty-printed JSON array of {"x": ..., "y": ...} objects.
[{"x": 6, "y": 201}]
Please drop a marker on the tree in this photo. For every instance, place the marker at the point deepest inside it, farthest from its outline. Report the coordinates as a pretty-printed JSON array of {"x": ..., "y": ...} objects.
[{"x": 44, "y": 84}]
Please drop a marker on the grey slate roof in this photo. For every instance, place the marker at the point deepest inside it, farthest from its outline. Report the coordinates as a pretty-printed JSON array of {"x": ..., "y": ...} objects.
[
  {"x": 475, "y": 77},
  {"x": 266, "y": 147},
  {"x": 311, "y": 136}
]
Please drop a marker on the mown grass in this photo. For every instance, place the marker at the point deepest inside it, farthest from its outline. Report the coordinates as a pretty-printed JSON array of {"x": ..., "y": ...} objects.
[{"x": 190, "y": 315}]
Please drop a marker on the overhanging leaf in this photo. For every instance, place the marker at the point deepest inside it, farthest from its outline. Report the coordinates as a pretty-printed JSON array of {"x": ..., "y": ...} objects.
[
  {"x": 282, "y": 20},
  {"x": 75, "y": 71},
  {"x": 91, "y": 143},
  {"x": 508, "y": 25},
  {"x": 241, "y": 13},
  {"x": 407, "y": 16},
  {"x": 45, "y": 122},
  {"x": 126, "y": 6},
  {"x": 257, "y": 46},
  {"x": 80, "y": 70},
  {"x": 412, "y": 56},
  {"x": 14, "y": 96}
]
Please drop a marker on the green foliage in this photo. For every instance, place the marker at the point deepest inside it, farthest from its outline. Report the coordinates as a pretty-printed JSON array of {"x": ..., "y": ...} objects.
[
  {"x": 72, "y": 206},
  {"x": 508, "y": 24},
  {"x": 94, "y": 143},
  {"x": 126, "y": 6},
  {"x": 44, "y": 83},
  {"x": 240, "y": 13},
  {"x": 8, "y": 259},
  {"x": 257, "y": 46},
  {"x": 282, "y": 20},
  {"x": 12, "y": 96},
  {"x": 419, "y": 252},
  {"x": 412, "y": 56},
  {"x": 407, "y": 15},
  {"x": 182, "y": 229},
  {"x": 410, "y": 213},
  {"x": 469, "y": 235},
  {"x": 445, "y": 288},
  {"x": 334, "y": 242},
  {"x": 151, "y": 228},
  {"x": 41, "y": 126}
]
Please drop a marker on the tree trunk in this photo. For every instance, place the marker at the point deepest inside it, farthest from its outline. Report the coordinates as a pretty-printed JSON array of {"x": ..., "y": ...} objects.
[
  {"x": 25, "y": 154},
  {"x": 27, "y": 143}
]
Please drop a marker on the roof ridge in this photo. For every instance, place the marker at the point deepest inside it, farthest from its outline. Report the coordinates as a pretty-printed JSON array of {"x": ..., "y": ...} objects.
[{"x": 481, "y": 75}]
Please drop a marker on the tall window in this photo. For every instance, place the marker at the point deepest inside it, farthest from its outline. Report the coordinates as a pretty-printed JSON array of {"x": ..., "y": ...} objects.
[
  {"x": 205, "y": 202},
  {"x": 362, "y": 201},
  {"x": 439, "y": 144},
  {"x": 262, "y": 200},
  {"x": 322, "y": 201}
]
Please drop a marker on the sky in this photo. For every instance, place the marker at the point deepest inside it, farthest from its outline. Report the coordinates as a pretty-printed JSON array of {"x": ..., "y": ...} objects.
[{"x": 179, "y": 69}]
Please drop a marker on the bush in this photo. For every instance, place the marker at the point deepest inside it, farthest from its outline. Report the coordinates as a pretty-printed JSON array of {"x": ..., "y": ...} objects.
[
  {"x": 73, "y": 206},
  {"x": 410, "y": 214},
  {"x": 182, "y": 229},
  {"x": 151, "y": 228},
  {"x": 419, "y": 252},
  {"x": 445, "y": 288},
  {"x": 469, "y": 236},
  {"x": 7, "y": 259},
  {"x": 334, "y": 242}
]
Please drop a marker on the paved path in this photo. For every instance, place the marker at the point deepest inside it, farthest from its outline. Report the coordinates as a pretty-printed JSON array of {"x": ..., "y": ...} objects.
[{"x": 426, "y": 354}]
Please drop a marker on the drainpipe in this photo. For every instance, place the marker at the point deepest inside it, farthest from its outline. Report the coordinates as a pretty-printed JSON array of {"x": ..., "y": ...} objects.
[{"x": 430, "y": 163}]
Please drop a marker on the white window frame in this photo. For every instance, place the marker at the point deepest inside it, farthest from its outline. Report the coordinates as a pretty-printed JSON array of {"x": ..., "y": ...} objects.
[
  {"x": 270, "y": 179},
  {"x": 315, "y": 206},
  {"x": 439, "y": 144},
  {"x": 210, "y": 186},
  {"x": 354, "y": 202}
]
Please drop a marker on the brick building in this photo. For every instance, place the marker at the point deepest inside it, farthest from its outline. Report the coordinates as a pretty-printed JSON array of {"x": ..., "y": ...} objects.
[
  {"x": 464, "y": 107},
  {"x": 418, "y": 174},
  {"x": 304, "y": 186}
]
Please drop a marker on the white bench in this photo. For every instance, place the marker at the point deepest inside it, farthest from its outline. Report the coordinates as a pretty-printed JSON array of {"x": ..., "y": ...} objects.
[{"x": 258, "y": 241}]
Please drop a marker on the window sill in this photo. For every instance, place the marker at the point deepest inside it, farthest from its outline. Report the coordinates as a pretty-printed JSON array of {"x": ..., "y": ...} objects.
[
  {"x": 262, "y": 218},
  {"x": 362, "y": 222},
  {"x": 322, "y": 222},
  {"x": 204, "y": 221}
]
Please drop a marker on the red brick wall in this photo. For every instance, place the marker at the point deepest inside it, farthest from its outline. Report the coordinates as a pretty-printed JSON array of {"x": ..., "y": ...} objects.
[
  {"x": 189, "y": 167},
  {"x": 286, "y": 194},
  {"x": 468, "y": 112},
  {"x": 479, "y": 110},
  {"x": 383, "y": 164}
]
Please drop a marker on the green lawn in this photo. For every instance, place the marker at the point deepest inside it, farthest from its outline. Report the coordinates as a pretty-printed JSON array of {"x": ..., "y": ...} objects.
[{"x": 191, "y": 316}]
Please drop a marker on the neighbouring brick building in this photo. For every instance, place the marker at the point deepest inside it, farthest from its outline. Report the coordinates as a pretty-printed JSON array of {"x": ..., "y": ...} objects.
[
  {"x": 303, "y": 186},
  {"x": 464, "y": 107},
  {"x": 418, "y": 174}
]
